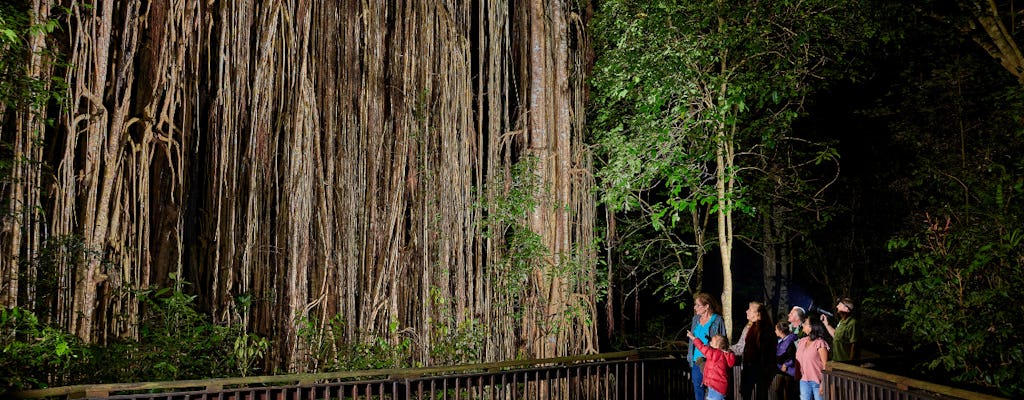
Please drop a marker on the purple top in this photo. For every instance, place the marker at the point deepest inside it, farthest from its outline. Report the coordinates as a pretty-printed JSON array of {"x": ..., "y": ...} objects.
[{"x": 785, "y": 354}]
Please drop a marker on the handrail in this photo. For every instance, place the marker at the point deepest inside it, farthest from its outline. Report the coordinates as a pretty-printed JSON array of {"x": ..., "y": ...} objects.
[
  {"x": 905, "y": 383},
  {"x": 844, "y": 381},
  {"x": 308, "y": 378}
]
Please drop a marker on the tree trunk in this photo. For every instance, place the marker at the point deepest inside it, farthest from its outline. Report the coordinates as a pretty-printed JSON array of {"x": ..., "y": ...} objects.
[
  {"x": 724, "y": 185},
  {"x": 554, "y": 141},
  {"x": 300, "y": 162},
  {"x": 23, "y": 223}
]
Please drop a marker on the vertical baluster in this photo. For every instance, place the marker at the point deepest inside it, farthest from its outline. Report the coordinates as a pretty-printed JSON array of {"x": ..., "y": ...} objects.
[
  {"x": 489, "y": 394},
  {"x": 605, "y": 380},
  {"x": 515, "y": 386}
]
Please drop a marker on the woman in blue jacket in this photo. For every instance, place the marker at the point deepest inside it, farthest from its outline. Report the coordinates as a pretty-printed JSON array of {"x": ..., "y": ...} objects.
[{"x": 707, "y": 322}]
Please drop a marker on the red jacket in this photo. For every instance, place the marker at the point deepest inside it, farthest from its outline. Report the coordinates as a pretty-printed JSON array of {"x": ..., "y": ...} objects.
[{"x": 716, "y": 366}]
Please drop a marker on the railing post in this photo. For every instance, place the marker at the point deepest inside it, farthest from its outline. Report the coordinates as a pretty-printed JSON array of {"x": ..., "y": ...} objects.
[{"x": 643, "y": 379}]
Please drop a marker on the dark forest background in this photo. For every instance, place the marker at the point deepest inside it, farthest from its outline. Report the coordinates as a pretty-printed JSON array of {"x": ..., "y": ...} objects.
[{"x": 197, "y": 189}]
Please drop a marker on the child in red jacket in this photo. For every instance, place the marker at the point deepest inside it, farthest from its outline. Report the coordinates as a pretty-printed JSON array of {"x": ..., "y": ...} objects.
[{"x": 717, "y": 364}]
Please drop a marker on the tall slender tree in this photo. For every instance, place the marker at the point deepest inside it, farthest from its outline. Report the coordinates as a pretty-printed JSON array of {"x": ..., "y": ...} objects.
[{"x": 689, "y": 93}]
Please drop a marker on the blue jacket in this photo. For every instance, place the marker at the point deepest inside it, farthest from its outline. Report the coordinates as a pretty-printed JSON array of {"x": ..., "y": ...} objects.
[{"x": 717, "y": 327}]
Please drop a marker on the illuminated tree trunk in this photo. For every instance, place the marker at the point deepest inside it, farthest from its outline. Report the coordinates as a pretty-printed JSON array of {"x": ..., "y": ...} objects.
[
  {"x": 725, "y": 185},
  {"x": 551, "y": 133},
  {"x": 297, "y": 161}
]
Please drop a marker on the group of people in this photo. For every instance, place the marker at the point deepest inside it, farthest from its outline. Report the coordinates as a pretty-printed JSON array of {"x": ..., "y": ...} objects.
[{"x": 802, "y": 345}]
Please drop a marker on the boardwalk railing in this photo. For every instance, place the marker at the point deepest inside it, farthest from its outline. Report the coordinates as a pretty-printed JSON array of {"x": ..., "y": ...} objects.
[
  {"x": 631, "y": 375},
  {"x": 849, "y": 382},
  {"x": 626, "y": 375}
]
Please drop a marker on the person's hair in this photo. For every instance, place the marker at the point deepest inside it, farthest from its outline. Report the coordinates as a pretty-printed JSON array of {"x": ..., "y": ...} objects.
[
  {"x": 762, "y": 313},
  {"x": 783, "y": 326},
  {"x": 801, "y": 312},
  {"x": 709, "y": 300},
  {"x": 848, "y": 302},
  {"x": 818, "y": 330},
  {"x": 723, "y": 344}
]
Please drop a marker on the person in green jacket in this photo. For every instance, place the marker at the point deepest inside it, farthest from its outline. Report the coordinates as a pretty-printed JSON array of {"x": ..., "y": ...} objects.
[{"x": 844, "y": 334}]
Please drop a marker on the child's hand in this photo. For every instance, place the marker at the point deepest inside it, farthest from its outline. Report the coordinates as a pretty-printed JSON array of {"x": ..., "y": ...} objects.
[{"x": 689, "y": 334}]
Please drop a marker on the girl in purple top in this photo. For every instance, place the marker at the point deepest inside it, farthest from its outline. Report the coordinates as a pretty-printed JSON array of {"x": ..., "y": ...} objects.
[
  {"x": 785, "y": 362},
  {"x": 785, "y": 350}
]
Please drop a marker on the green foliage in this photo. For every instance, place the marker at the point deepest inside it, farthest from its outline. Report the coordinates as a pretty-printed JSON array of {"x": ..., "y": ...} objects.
[
  {"x": 455, "y": 342},
  {"x": 24, "y": 92},
  {"x": 659, "y": 254},
  {"x": 175, "y": 342},
  {"x": 461, "y": 344},
  {"x": 644, "y": 82},
  {"x": 248, "y": 349},
  {"x": 17, "y": 87},
  {"x": 671, "y": 76},
  {"x": 513, "y": 197},
  {"x": 375, "y": 351},
  {"x": 962, "y": 293},
  {"x": 178, "y": 342},
  {"x": 945, "y": 183},
  {"x": 58, "y": 251},
  {"x": 329, "y": 351},
  {"x": 677, "y": 81},
  {"x": 320, "y": 341},
  {"x": 508, "y": 211},
  {"x": 35, "y": 354}
]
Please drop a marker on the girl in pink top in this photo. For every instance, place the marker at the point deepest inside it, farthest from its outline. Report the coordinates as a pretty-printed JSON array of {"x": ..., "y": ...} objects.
[{"x": 811, "y": 355}]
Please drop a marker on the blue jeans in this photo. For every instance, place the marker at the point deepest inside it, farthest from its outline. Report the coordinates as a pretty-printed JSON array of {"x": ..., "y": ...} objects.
[
  {"x": 810, "y": 390},
  {"x": 714, "y": 395},
  {"x": 698, "y": 380}
]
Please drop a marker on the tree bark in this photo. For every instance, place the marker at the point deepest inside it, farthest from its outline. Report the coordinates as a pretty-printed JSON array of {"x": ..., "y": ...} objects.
[{"x": 303, "y": 162}]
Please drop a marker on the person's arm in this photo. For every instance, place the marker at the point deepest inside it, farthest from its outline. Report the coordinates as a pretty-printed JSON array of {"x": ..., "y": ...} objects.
[
  {"x": 697, "y": 343},
  {"x": 791, "y": 353},
  {"x": 730, "y": 359},
  {"x": 831, "y": 329},
  {"x": 704, "y": 349},
  {"x": 738, "y": 347},
  {"x": 689, "y": 347},
  {"x": 854, "y": 336}
]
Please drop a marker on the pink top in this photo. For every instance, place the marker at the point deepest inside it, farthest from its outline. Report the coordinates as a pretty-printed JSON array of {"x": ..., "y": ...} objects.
[{"x": 808, "y": 360}]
